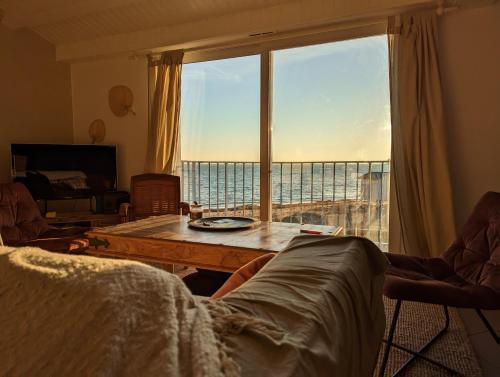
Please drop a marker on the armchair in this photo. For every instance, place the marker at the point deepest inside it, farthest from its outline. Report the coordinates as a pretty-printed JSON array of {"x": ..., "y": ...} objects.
[
  {"x": 467, "y": 275},
  {"x": 22, "y": 224}
]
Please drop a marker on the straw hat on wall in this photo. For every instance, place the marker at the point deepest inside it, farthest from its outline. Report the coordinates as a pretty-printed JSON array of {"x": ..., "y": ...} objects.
[{"x": 121, "y": 100}]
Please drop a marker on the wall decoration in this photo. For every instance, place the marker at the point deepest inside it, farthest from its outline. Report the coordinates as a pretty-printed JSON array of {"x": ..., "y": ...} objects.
[
  {"x": 97, "y": 131},
  {"x": 121, "y": 100}
]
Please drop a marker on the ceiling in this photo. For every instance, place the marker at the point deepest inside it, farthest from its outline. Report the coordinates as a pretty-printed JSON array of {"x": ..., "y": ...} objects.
[
  {"x": 82, "y": 29},
  {"x": 69, "y": 21}
]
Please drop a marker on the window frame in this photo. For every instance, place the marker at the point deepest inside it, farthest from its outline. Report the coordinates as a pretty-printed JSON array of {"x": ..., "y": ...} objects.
[{"x": 265, "y": 47}]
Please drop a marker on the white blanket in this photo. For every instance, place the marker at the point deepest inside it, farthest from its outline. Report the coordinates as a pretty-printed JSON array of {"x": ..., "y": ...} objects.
[{"x": 82, "y": 316}]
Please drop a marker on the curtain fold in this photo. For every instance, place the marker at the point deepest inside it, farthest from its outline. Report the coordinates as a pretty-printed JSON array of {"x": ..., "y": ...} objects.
[
  {"x": 419, "y": 156},
  {"x": 162, "y": 154}
]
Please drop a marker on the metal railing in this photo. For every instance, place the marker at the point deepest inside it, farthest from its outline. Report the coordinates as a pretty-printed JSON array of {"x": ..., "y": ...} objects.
[{"x": 354, "y": 194}]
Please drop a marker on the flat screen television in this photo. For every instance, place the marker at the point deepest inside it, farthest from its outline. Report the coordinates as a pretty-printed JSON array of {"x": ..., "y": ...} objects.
[{"x": 64, "y": 171}]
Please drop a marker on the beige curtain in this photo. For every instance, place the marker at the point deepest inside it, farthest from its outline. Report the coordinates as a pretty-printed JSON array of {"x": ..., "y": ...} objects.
[
  {"x": 419, "y": 160},
  {"x": 165, "y": 100}
]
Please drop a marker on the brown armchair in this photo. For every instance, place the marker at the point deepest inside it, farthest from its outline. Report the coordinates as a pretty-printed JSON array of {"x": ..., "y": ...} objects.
[
  {"x": 467, "y": 275},
  {"x": 22, "y": 224},
  {"x": 153, "y": 195}
]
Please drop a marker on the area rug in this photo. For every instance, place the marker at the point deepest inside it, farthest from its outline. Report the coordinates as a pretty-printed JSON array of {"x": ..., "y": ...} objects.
[{"x": 418, "y": 323}]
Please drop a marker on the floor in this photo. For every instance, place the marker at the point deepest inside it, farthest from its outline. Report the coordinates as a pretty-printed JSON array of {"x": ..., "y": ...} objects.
[
  {"x": 412, "y": 334},
  {"x": 487, "y": 351}
]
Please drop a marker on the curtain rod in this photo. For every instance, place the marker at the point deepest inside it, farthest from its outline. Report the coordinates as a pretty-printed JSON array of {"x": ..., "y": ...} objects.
[
  {"x": 270, "y": 37},
  {"x": 440, "y": 7}
]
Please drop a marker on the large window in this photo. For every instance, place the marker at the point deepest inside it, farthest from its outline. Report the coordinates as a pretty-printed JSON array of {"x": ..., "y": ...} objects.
[{"x": 330, "y": 135}]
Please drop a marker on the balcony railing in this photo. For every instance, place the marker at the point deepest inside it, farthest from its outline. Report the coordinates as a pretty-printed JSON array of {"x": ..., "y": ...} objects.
[{"x": 353, "y": 194}]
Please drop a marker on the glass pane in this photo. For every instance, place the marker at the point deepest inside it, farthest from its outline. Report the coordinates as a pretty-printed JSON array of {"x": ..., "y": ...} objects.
[
  {"x": 220, "y": 123},
  {"x": 331, "y": 136}
]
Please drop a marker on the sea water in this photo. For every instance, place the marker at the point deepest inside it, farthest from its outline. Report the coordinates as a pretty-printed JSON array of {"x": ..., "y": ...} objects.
[{"x": 214, "y": 183}]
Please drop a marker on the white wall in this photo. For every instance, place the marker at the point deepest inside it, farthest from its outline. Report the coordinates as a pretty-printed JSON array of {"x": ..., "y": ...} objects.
[
  {"x": 35, "y": 99},
  {"x": 91, "y": 82},
  {"x": 470, "y": 67}
]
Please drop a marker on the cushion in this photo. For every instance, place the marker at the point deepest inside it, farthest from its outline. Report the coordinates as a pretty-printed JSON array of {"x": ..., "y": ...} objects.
[{"x": 243, "y": 274}]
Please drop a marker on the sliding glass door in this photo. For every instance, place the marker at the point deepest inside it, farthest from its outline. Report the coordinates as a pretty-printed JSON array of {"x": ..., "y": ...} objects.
[
  {"x": 330, "y": 129},
  {"x": 331, "y": 136}
]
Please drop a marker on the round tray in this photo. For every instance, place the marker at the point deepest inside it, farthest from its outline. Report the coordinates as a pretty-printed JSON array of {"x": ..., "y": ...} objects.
[{"x": 221, "y": 223}]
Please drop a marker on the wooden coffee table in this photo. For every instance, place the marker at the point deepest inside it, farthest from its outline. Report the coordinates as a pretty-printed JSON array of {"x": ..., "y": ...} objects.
[{"x": 168, "y": 240}]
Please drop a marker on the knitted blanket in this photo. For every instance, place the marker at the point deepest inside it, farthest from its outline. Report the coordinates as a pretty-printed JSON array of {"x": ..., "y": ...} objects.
[{"x": 66, "y": 315}]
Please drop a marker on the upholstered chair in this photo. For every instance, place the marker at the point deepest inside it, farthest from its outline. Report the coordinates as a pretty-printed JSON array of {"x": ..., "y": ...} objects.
[
  {"x": 22, "y": 224},
  {"x": 467, "y": 275}
]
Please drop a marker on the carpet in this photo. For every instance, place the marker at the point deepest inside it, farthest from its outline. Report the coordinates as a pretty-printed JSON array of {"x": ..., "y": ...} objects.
[{"x": 419, "y": 322}]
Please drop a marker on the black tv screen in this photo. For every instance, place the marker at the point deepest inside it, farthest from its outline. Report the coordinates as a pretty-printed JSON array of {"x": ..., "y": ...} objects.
[{"x": 59, "y": 171}]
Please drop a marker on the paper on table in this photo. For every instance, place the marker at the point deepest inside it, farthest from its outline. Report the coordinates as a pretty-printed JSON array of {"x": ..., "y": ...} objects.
[{"x": 319, "y": 229}]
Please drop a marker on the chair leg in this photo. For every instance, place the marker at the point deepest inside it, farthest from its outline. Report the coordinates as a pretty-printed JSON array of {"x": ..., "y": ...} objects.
[
  {"x": 415, "y": 354},
  {"x": 488, "y": 326},
  {"x": 389, "y": 339},
  {"x": 425, "y": 347}
]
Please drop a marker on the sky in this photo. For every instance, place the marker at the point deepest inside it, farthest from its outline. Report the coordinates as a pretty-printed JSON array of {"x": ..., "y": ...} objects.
[{"x": 330, "y": 102}]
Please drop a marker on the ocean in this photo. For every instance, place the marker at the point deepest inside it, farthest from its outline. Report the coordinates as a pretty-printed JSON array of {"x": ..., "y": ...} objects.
[{"x": 238, "y": 183}]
